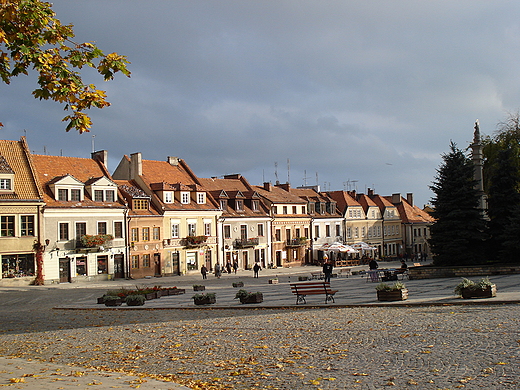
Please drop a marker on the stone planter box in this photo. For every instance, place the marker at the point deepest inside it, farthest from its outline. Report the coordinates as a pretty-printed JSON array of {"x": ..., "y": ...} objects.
[
  {"x": 273, "y": 281},
  {"x": 396, "y": 295},
  {"x": 114, "y": 302},
  {"x": 488, "y": 292},
  {"x": 302, "y": 278},
  {"x": 205, "y": 301},
  {"x": 254, "y": 298},
  {"x": 239, "y": 284},
  {"x": 152, "y": 295},
  {"x": 176, "y": 291},
  {"x": 199, "y": 288}
]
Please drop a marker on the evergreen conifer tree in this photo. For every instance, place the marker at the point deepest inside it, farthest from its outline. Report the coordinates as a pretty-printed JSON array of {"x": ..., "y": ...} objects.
[{"x": 457, "y": 236}]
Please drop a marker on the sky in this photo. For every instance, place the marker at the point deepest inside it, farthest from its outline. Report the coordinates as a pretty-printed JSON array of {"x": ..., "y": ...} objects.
[{"x": 348, "y": 95}]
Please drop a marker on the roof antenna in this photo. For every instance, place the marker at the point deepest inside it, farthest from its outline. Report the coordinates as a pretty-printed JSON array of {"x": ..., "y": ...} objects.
[
  {"x": 276, "y": 172},
  {"x": 288, "y": 172},
  {"x": 93, "y": 149}
]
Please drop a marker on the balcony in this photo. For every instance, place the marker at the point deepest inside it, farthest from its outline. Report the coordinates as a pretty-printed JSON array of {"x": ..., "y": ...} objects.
[
  {"x": 93, "y": 243},
  {"x": 296, "y": 242},
  {"x": 242, "y": 243},
  {"x": 194, "y": 241}
]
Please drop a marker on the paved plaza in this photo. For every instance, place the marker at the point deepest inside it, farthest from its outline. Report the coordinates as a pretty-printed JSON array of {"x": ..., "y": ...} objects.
[{"x": 434, "y": 340}]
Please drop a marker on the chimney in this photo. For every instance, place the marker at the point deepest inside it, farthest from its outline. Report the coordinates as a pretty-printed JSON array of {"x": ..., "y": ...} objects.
[
  {"x": 136, "y": 165},
  {"x": 396, "y": 198},
  {"x": 101, "y": 156},
  {"x": 268, "y": 186},
  {"x": 173, "y": 161},
  {"x": 409, "y": 198},
  {"x": 233, "y": 176},
  {"x": 285, "y": 186},
  {"x": 370, "y": 192}
]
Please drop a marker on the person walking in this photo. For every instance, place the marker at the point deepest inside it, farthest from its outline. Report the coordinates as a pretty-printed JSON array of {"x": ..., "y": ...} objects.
[
  {"x": 228, "y": 267},
  {"x": 256, "y": 268},
  {"x": 327, "y": 269},
  {"x": 204, "y": 272},
  {"x": 218, "y": 271},
  {"x": 235, "y": 266}
]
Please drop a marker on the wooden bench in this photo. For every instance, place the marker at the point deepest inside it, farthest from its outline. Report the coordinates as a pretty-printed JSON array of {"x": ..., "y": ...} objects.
[{"x": 301, "y": 290}]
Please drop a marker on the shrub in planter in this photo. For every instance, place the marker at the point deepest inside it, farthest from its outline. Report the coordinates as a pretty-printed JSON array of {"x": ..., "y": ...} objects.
[
  {"x": 198, "y": 287},
  {"x": 394, "y": 292},
  {"x": 273, "y": 281},
  {"x": 135, "y": 300},
  {"x": 204, "y": 299},
  {"x": 484, "y": 288},
  {"x": 112, "y": 300},
  {"x": 238, "y": 284},
  {"x": 247, "y": 297}
]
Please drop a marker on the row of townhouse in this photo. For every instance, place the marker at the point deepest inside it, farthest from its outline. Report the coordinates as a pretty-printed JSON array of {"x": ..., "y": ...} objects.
[{"x": 157, "y": 218}]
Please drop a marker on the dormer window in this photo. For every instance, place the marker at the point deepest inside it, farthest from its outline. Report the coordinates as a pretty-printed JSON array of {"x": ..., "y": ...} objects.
[
  {"x": 140, "y": 204},
  {"x": 201, "y": 198},
  {"x": 98, "y": 195},
  {"x": 63, "y": 194},
  {"x": 223, "y": 204},
  {"x": 185, "y": 197},
  {"x": 6, "y": 184},
  {"x": 255, "y": 205},
  {"x": 168, "y": 197},
  {"x": 75, "y": 195},
  {"x": 239, "y": 203}
]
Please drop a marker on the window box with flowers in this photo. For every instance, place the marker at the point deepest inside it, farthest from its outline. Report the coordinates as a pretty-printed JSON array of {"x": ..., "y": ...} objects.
[
  {"x": 93, "y": 241},
  {"x": 194, "y": 241}
]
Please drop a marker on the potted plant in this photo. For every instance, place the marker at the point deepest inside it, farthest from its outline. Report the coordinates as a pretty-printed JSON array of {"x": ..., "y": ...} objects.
[
  {"x": 394, "y": 292},
  {"x": 199, "y": 287},
  {"x": 484, "y": 288},
  {"x": 238, "y": 284},
  {"x": 112, "y": 300},
  {"x": 247, "y": 297},
  {"x": 273, "y": 280},
  {"x": 135, "y": 300},
  {"x": 204, "y": 299}
]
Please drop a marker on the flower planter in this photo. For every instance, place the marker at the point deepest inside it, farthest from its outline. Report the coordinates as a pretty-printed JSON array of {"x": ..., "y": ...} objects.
[
  {"x": 239, "y": 284},
  {"x": 273, "y": 281},
  {"x": 149, "y": 296},
  {"x": 199, "y": 288},
  {"x": 205, "y": 300},
  {"x": 392, "y": 295},
  {"x": 113, "y": 302},
  {"x": 253, "y": 298},
  {"x": 488, "y": 292},
  {"x": 176, "y": 291},
  {"x": 302, "y": 278},
  {"x": 100, "y": 300}
]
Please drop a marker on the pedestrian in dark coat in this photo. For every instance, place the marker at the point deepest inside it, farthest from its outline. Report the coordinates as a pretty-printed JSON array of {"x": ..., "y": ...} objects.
[{"x": 256, "y": 268}]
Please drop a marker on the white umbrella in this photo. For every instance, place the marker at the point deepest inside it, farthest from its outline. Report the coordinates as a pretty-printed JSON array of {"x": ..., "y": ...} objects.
[
  {"x": 363, "y": 246},
  {"x": 338, "y": 247}
]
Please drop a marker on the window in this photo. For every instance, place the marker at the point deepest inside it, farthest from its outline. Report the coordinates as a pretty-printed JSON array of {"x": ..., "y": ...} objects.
[
  {"x": 185, "y": 197},
  {"x": 284, "y": 210},
  {"x": 192, "y": 229},
  {"x": 338, "y": 230},
  {"x": 62, "y": 194},
  {"x": 134, "y": 235},
  {"x": 175, "y": 230},
  {"x": 201, "y": 198},
  {"x": 81, "y": 230},
  {"x": 98, "y": 195},
  {"x": 327, "y": 230},
  {"x": 101, "y": 228},
  {"x": 140, "y": 204},
  {"x": 168, "y": 197},
  {"x": 27, "y": 225},
  {"x": 110, "y": 194},
  {"x": 363, "y": 230},
  {"x": 227, "y": 231},
  {"x": 260, "y": 229},
  {"x": 306, "y": 230},
  {"x": 146, "y": 260},
  {"x": 156, "y": 233},
  {"x": 275, "y": 210},
  {"x": 356, "y": 232},
  {"x": 75, "y": 195},
  {"x": 349, "y": 232},
  {"x": 5, "y": 184},
  {"x": 118, "y": 229},
  {"x": 7, "y": 226},
  {"x": 223, "y": 204},
  {"x": 317, "y": 231},
  {"x": 303, "y": 209},
  {"x": 135, "y": 261},
  {"x": 239, "y": 205},
  {"x": 297, "y": 232},
  {"x": 278, "y": 235},
  {"x": 145, "y": 233},
  {"x": 63, "y": 234},
  {"x": 243, "y": 232},
  {"x": 207, "y": 228},
  {"x": 294, "y": 210},
  {"x": 255, "y": 205}
]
